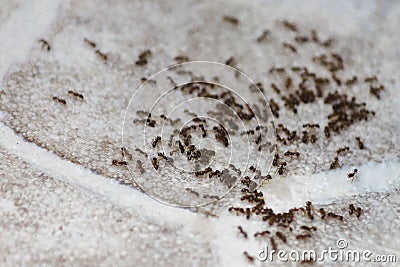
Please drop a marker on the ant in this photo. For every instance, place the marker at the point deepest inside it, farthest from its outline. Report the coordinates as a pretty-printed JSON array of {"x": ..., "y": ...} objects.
[
  {"x": 323, "y": 213},
  {"x": 180, "y": 58},
  {"x": 90, "y": 43},
  {"x": 78, "y": 95},
  {"x": 139, "y": 166},
  {"x": 302, "y": 237},
  {"x": 247, "y": 255},
  {"x": 276, "y": 89},
  {"x": 315, "y": 125},
  {"x": 155, "y": 163},
  {"x": 357, "y": 211},
  {"x": 290, "y": 25},
  {"x": 292, "y": 153},
  {"x": 352, "y": 175},
  {"x": 59, "y": 100},
  {"x": 301, "y": 39},
  {"x": 141, "y": 151},
  {"x": 119, "y": 163},
  {"x": 335, "y": 216},
  {"x": 192, "y": 191},
  {"x": 143, "y": 57},
  {"x": 351, "y": 81},
  {"x": 45, "y": 44},
  {"x": 263, "y": 36},
  {"x": 101, "y": 55},
  {"x": 359, "y": 143},
  {"x": 290, "y": 47},
  {"x": 304, "y": 227},
  {"x": 156, "y": 141},
  {"x": 242, "y": 232},
  {"x": 125, "y": 153},
  {"x": 335, "y": 163},
  {"x": 263, "y": 233},
  {"x": 343, "y": 149},
  {"x": 230, "y": 61},
  {"x": 281, "y": 236},
  {"x": 231, "y": 19},
  {"x": 371, "y": 79}
]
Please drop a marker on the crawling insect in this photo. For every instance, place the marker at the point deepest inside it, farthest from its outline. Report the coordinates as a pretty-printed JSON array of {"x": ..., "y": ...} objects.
[
  {"x": 281, "y": 236},
  {"x": 352, "y": 175},
  {"x": 323, "y": 213},
  {"x": 359, "y": 143},
  {"x": 143, "y": 57},
  {"x": 59, "y": 100},
  {"x": 335, "y": 163},
  {"x": 302, "y": 237},
  {"x": 181, "y": 58},
  {"x": 192, "y": 192},
  {"x": 139, "y": 166},
  {"x": 231, "y": 19},
  {"x": 90, "y": 43},
  {"x": 45, "y": 44},
  {"x": 305, "y": 227},
  {"x": 263, "y": 233},
  {"x": 155, "y": 163},
  {"x": 119, "y": 162},
  {"x": 156, "y": 141},
  {"x": 101, "y": 55},
  {"x": 311, "y": 125},
  {"x": 125, "y": 153},
  {"x": 342, "y": 150},
  {"x": 290, "y": 47},
  {"x": 75, "y": 94},
  {"x": 290, "y": 25},
  {"x": 242, "y": 232},
  {"x": 247, "y": 255},
  {"x": 230, "y": 61},
  {"x": 263, "y": 36}
]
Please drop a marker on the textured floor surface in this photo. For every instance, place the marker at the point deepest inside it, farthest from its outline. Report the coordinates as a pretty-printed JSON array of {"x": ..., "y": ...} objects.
[{"x": 71, "y": 75}]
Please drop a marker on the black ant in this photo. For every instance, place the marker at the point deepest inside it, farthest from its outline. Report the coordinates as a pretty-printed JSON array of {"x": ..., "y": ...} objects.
[
  {"x": 352, "y": 175},
  {"x": 359, "y": 143},
  {"x": 156, "y": 141},
  {"x": 290, "y": 47},
  {"x": 263, "y": 233},
  {"x": 119, "y": 162},
  {"x": 247, "y": 255},
  {"x": 342, "y": 150},
  {"x": 59, "y": 100},
  {"x": 290, "y": 25},
  {"x": 335, "y": 163},
  {"x": 281, "y": 236},
  {"x": 143, "y": 57},
  {"x": 90, "y": 43},
  {"x": 231, "y": 19},
  {"x": 75, "y": 94},
  {"x": 139, "y": 166},
  {"x": 263, "y": 36},
  {"x": 155, "y": 163},
  {"x": 181, "y": 58},
  {"x": 45, "y": 44},
  {"x": 125, "y": 153},
  {"x": 242, "y": 232},
  {"x": 302, "y": 237},
  {"x": 101, "y": 55}
]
